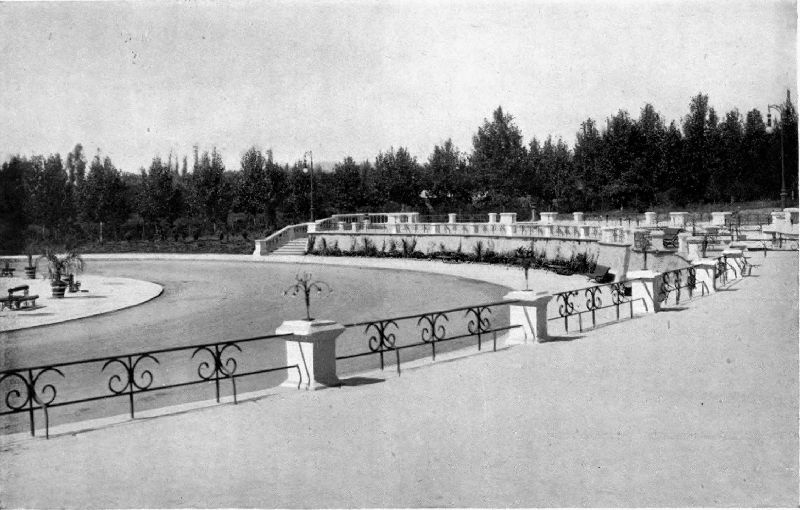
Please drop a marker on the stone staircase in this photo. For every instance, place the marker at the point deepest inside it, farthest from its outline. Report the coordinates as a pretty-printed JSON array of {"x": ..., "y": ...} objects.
[{"x": 293, "y": 247}]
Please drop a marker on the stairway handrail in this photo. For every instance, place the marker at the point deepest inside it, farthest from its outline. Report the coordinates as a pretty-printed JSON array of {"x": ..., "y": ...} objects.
[{"x": 280, "y": 238}]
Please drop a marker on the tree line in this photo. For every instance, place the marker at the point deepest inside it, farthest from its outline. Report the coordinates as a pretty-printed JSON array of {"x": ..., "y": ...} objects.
[{"x": 632, "y": 163}]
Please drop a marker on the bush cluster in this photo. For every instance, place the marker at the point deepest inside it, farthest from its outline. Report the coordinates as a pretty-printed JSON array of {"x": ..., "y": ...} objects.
[{"x": 523, "y": 257}]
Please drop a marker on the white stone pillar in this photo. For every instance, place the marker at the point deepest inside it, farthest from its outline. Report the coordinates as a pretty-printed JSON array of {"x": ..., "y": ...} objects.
[
  {"x": 312, "y": 347},
  {"x": 530, "y": 312},
  {"x": 645, "y": 286},
  {"x": 778, "y": 218},
  {"x": 547, "y": 230},
  {"x": 650, "y": 218},
  {"x": 451, "y": 218},
  {"x": 704, "y": 275},
  {"x": 261, "y": 247},
  {"x": 720, "y": 218},
  {"x": 735, "y": 263},
  {"x": 341, "y": 225},
  {"x": 548, "y": 218},
  {"x": 583, "y": 231},
  {"x": 366, "y": 224},
  {"x": 414, "y": 217},
  {"x": 533, "y": 214},
  {"x": 508, "y": 218},
  {"x": 607, "y": 234},
  {"x": 695, "y": 247},
  {"x": 657, "y": 239},
  {"x": 354, "y": 226},
  {"x": 492, "y": 217},
  {"x": 678, "y": 219},
  {"x": 683, "y": 243},
  {"x": 577, "y": 217}
]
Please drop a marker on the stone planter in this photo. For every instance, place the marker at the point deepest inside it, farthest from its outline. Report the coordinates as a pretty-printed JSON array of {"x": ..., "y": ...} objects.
[{"x": 58, "y": 288}]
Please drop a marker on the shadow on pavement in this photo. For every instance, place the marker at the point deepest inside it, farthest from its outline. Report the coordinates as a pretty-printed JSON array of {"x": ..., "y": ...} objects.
[{"x": 360, "y": 381}]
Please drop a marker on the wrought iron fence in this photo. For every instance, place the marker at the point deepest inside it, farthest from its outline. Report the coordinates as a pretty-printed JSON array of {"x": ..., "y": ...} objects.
[
  {"x": 36, "y": 388},
  {"x": 573, "y": 304},
  {"x": 431, "y": 330},
  {"x": 673, "y": 283},
  {"x": 721, "y": 270}
]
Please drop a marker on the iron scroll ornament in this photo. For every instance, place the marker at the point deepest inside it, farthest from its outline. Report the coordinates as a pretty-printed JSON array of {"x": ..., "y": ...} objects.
[
  {"x": 222, "y": 368},
  {"x": 433, "y": 332},
  {"x": 32, "y": 397},
  {"x": 131, "y": 386}
]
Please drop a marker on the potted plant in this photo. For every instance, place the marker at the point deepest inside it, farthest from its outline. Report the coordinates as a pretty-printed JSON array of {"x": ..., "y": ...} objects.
[
  {"x": 30, "y": 269},
  {"x": 60, "y": 264}
]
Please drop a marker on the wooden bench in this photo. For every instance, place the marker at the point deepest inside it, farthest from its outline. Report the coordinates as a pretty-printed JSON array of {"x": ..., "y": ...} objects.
[
  {"x": 17, "y": 301},
  {"x": 7, "y": 271},
  {"x": 601, "y": 274}
]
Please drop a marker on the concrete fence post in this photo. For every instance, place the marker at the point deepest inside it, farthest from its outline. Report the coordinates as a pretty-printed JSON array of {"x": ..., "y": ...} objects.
[
  {"x": 548, "y": 218},
  {"x": 704, "y": 274},
  {"x": 650, "y": 218},
  {"x": 584, "y": 231},
  {"x": 734, "y": 263},
  {"x": 312, "y": 347},
  {"x": 694, "y": 246},
  {"x": 720, "y": 218},
  {"x": 657, "y": 239},
  {"x": 451, "y": 218},
  {"x": 492, "y": 217},
  {"x": 683, "y": 243},
  {"x": 645, "y": 288},
  {"x": 508, "y": 218},
  {"x": 530, "y": 312},
  {"x": 577, "y": 217}
]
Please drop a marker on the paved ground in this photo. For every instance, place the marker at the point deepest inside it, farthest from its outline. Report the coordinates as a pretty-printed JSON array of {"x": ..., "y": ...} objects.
[
  {"x": 695, "y": 407},
  {"x": 98, "y": 295}
]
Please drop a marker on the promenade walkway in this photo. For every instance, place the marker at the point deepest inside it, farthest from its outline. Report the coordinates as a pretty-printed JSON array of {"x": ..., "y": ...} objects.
[{"x": 694, "y": 407}]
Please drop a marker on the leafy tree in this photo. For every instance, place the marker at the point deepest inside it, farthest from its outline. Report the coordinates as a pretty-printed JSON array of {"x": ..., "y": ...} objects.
[
  {"x": 48, "y": 203},
  {"x": 13, "y": 203},
  {"x": 210, "y": 193},
  {"x": 104, "y": 193},
  {"x": 448, "y": 183},
  {"x": 498, "y": 159},
  {"x": 400, "y": 179},
  {"x": 160, "y": 201}
]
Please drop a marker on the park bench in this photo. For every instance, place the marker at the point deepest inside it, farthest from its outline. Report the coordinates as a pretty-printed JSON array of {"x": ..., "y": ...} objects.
[
  {"x": 7, "y": 270},
  {"x": 17, "y": 301},
  {"x": 601, "y": 274}
]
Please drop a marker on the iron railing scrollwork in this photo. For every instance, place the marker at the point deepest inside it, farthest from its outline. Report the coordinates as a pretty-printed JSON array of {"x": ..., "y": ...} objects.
[
  {"x": 130, "y": 386},
  {"x": 130, "y": 374},
  {"x": 31, "y": 399},
  {"x": 570, "y": 305},
  {"x": 673, "y": 282},
  {"x": 432, "y": 330},
  {"x": 479, "y": 324},
  {"x": 225, "y": 369}
]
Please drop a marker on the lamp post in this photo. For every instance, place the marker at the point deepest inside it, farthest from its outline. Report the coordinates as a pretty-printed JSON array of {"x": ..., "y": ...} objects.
[
  {"x": 311, "y": 172},
  {"x": 769, "y": 130}
]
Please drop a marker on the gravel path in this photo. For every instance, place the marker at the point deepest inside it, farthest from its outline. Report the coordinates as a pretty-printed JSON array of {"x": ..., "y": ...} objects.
[{"x": 694, "y": 407}]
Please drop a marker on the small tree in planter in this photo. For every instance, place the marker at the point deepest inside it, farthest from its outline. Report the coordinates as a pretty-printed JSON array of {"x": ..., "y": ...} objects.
[
  {"x": 60, "y": 264},
  {"x": 30, "y": 250}
]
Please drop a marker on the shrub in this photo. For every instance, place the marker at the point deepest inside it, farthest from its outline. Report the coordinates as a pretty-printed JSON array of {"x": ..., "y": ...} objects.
[{"x": 479, "y": 251}]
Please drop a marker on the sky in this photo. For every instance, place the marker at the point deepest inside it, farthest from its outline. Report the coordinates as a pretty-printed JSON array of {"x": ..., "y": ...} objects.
[{"x": 339, "y": 78}]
